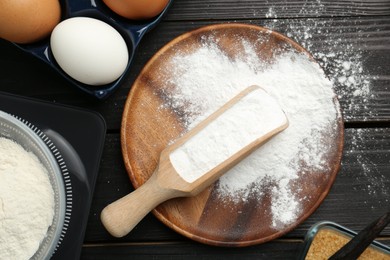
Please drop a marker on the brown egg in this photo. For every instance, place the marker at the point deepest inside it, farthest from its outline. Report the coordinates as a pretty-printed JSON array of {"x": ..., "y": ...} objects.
[
  {"x": 27, "y": 21},
  {"x": 137, "y": 9}
]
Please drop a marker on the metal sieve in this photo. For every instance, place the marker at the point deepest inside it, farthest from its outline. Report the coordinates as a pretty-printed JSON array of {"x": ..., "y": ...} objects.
[{"x": 16, "y": 130}]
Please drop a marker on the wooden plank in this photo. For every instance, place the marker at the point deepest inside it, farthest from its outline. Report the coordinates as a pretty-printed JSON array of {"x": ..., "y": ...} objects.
[
  {"x": 362, "y": 42},
  {"x": 188, "y": 250},
  {"x": 362, "y": 188},
  {"x": 249, "y": 9},
  {"x": 354, "y": 55}
]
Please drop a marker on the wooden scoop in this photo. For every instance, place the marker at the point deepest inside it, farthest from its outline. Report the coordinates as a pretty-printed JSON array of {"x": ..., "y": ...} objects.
[{"x": 168, "y": 181}]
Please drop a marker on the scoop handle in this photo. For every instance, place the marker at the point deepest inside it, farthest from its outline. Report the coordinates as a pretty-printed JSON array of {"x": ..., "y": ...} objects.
[{"x": 121, "y": 216}]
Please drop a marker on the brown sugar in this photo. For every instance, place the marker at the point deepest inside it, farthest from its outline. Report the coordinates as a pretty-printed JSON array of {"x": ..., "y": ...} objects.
[{"x": 328, "y": 241}]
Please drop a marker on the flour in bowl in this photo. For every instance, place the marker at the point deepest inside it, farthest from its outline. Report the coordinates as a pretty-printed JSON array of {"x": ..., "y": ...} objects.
[
  {"x": 26, "y": 201},
  {"x": 201, "y": 81}
]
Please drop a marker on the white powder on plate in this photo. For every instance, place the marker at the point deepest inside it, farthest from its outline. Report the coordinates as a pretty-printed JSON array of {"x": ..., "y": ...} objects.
[
  {"x": 252, "y": 117},
  {"x": 26, "y": 201},
  {"x": 342, "y": 46},
  {"x": 337, "y": 50},
  {"x": 205, "y": 79}
]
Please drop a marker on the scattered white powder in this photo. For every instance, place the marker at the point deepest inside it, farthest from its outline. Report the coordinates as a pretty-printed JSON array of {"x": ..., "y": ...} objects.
[
  {"x": 338, "y": 52},
  {"x": 252, "y": 117},
  {"x": 369, "y": 172},
  {"x": 283, "y": 212},
  {"x": 26, "y": 201},
  {"x": 342, "y": 51},
  {"x": 200, "y": 82}
]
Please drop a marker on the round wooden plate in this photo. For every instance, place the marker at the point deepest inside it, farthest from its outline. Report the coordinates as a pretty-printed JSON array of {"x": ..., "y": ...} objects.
[{"x": 147, "y": 130}]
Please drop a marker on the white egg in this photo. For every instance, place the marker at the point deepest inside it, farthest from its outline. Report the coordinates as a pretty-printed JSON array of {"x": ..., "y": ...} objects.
[{"x": 89, "y": 50}]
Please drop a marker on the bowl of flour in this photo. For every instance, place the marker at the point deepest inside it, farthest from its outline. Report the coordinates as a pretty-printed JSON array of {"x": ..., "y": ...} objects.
[{"x": 32, "y": 194}]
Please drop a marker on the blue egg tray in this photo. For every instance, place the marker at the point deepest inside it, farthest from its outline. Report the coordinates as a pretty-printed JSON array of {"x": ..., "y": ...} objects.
[{"x": 131, "y": 30}]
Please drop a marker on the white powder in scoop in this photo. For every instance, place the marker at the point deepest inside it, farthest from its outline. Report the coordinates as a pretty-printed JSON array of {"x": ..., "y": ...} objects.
[
  {"x": 252, "y": 117},
  {"x": 205, "y": 79},
  {"x": 26, "y": 201}
]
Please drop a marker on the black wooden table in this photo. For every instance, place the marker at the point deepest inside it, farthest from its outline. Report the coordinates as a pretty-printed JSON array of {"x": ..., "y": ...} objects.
[{"x": 350, "y": 39}]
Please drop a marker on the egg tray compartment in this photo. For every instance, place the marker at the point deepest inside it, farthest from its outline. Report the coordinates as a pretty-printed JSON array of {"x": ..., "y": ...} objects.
[{"x": 132, "y": 32}]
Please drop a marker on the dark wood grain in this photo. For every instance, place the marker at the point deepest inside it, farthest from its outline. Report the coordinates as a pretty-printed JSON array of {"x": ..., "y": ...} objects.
[
  {"x": 187, "y": 250},
  {"x": 368, "y": 35},
  {"x": 249, "y": 9},
  {"x": 361, "y": 192},
  {"x": 362, "y": 188}
]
